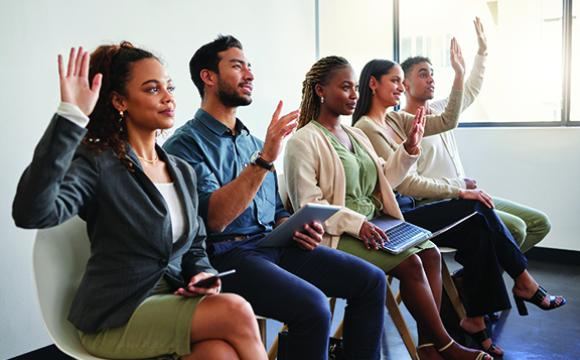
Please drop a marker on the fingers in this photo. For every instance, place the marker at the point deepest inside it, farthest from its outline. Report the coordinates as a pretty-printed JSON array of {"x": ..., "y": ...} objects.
[
  {"x": 78, "y": 62},
  {"x": 71, "y": 61},
  {"x": 84, "y": 70},
  {"x": 485, "y": 199},
  {"x": 308, "y": 242},
  {"x": 60, "y": 68},
  {"x": 277, "y": 112},
  {"x": 97, "y": 81}
]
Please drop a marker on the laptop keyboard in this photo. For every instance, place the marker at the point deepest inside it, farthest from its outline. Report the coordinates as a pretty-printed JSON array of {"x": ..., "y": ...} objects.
[{"x": 403, "y": 234}]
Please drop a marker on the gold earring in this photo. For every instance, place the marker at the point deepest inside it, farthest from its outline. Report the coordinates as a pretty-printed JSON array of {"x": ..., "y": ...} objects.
[{"x": 374, "y": 92}]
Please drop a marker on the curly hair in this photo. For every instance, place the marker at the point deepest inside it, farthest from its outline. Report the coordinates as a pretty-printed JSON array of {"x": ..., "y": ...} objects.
[
  {"x": 106, "y": 127},
  {"x": 319, "y": 73}
]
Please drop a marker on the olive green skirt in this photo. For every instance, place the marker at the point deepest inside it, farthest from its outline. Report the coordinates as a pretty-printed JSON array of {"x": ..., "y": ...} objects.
[
  {"x": 160, "y": 328},
  {"x": 382, "y": 259}
]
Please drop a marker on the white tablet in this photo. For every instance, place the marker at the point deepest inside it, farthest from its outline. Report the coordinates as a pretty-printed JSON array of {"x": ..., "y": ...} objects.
[{"x": 283, "y": 234}]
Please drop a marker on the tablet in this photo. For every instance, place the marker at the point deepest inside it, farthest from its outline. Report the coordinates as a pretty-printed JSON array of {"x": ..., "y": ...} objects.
[{"x": 283, "y": 234}]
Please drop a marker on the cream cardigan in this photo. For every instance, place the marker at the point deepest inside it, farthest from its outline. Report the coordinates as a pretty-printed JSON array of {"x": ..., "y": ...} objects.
[
  {"x": 413, "y": 184},
  {"x": 314, "y": 174}
]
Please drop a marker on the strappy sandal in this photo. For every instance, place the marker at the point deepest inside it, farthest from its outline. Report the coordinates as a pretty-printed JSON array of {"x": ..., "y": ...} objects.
[
  {"x": 480, "y": 355},
  {"x": 480, "y": 337},
  {"x": 537, "y": 300}
]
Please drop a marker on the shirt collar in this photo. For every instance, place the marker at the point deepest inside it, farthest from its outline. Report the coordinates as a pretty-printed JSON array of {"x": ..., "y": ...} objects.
[{"x": 217, "y": 127}]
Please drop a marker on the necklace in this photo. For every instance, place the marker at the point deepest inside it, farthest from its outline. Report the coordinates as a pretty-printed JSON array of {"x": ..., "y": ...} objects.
[{"x": 152, "y": 162}]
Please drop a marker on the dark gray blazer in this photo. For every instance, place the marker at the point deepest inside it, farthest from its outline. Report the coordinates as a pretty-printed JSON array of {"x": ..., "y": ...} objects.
[{"x": 128, "y": 222}]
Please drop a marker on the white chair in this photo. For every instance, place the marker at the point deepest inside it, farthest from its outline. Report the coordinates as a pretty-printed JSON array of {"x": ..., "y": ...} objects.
[
  {"x": 59, "y": 258},
  {"x": 60, "y": 255}
]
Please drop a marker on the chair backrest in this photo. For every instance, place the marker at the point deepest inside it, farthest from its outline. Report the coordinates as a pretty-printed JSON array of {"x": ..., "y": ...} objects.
[{"x": 60, "y": 255}]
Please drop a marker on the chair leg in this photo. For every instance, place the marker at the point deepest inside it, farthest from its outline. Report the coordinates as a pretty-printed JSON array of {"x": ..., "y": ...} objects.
[
  {"x": 400, "y": 324},
  {"x": 451, "y": 291},
  {"x": 262, "y": 328},
  {"x": 273, "y": 352}
]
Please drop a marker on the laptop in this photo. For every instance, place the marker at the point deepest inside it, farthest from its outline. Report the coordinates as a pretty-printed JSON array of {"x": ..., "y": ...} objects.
[{"x": 403, "y": 235}]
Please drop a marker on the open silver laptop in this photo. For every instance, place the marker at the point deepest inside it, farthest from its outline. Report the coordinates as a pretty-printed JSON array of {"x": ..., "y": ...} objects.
[{"x": 402, "y": 235}]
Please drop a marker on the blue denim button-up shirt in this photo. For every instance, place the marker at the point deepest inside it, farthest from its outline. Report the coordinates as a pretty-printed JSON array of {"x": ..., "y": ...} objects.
[{"x": 218, "y": 157}]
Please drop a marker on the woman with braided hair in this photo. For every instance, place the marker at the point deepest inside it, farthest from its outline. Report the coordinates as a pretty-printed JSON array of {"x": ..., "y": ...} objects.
[
  {"x": 329, "y": 163},
  {"x": 98, "y": 159}
]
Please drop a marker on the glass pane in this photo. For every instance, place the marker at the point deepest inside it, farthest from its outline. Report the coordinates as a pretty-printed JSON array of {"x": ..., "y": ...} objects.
[
  {"x": 357, "y": 30},
  {"x": 575, "y": 76},
  {"x": 522, "y": 82}
]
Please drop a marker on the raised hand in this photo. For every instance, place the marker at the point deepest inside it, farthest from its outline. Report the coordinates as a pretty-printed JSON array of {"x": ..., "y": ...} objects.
[
  {"x": 74, "y": 84},
  {"x": 481, "y": 39},
  {"x": 457, "y": 61},
  {"x": 416, "y": 132},
  {"x": 278, "y": 129}
]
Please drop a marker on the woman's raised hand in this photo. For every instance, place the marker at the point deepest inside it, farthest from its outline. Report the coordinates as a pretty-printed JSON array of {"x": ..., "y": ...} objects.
[
  {"x": 416, "y": 132},
  {"x": 74, "y": 84}
]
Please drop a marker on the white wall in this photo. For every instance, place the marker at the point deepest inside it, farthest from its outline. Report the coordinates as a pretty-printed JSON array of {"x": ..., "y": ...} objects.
[
  {"x": 278, "y": 37},
  {"x": 538, "y": 167}
]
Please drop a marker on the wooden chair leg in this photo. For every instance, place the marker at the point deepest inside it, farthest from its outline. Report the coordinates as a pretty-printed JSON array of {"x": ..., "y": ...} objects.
[
  {"x": 262, "y": 327},
  {"x": 400, "y": 324},
  {"x": 451, "y": 291},
  {"x": 273, "y": 352}
]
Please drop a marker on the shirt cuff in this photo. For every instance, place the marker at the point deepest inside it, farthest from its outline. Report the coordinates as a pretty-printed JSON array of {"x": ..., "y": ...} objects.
[{"x": 72, "y": 113}]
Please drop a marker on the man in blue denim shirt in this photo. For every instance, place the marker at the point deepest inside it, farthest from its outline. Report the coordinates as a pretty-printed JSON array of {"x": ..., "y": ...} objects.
[{"x": 238, "y": 199}]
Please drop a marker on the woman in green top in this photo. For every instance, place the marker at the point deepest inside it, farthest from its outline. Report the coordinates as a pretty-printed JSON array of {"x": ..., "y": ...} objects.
[{"x": 327, "y": 162}]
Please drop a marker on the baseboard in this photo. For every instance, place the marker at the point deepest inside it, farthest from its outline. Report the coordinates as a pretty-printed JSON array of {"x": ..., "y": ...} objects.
[
  {"x": 567, "y": 257},
  {"x": 48, "y": 352}
]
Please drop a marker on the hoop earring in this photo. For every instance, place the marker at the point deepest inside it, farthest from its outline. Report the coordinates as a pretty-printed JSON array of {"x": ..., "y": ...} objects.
[{"x": 322, "y": 99}]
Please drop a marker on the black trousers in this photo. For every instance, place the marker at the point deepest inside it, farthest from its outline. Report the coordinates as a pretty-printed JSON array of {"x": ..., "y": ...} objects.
[{"x": 484, "y": 246}]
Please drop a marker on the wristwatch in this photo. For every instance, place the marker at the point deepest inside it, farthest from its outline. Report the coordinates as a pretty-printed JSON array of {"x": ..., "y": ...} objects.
[{"x": 256, "y": 159}]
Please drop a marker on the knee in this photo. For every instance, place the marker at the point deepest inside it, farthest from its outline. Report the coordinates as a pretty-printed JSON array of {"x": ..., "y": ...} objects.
[
  {"x": 431, "y": 256},
  {"x": 540, "y": 225},
  {"x": 315, "y": 310},
  {"x": 236, "y": 312},
  {"x": 212, "y": 350},
  {"x": 410, "y": 268}
]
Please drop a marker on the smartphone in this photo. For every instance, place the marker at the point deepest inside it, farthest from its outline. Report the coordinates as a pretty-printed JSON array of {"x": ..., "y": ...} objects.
[{"x": 210, "y": 281}]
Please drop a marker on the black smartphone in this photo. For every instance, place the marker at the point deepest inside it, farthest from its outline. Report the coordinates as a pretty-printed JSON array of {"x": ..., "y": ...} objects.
[{"x": 210, "y": 281}]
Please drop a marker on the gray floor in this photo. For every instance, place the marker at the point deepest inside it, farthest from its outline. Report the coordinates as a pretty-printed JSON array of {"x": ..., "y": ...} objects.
[{"x": 553, "y": 335}]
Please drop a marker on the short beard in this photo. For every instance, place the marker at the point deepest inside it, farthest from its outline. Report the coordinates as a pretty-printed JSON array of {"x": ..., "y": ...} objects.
[{"x": 229, "y": 98}]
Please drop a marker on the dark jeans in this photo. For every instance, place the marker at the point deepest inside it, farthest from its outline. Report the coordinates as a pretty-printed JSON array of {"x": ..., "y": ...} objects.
[
  {"x": 292, "y": 285},
  {"x": 484, "y": 247}
]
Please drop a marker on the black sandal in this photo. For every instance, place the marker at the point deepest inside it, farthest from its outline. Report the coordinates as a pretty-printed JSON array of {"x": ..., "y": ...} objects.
[
  {"x": 480, "y": 337},
  {"x": 537, "y": 300}
]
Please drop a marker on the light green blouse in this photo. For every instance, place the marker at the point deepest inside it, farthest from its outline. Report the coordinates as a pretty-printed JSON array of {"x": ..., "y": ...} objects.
[{"x": 360, "y": 173}]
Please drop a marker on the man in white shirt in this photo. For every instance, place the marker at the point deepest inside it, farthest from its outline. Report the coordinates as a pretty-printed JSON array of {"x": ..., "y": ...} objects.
[{"x": 440, "y": 158}]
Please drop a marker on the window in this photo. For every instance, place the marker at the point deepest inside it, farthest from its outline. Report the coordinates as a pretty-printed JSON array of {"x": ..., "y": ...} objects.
[
  {"x": 523, "y": 78},
  {"x": 575, "y": 74}
]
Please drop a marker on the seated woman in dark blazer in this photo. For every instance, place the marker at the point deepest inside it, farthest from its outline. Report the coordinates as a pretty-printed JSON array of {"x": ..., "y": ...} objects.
[
  {"x": 330, "y": 163},
  {"x": 137, "y": 298}
]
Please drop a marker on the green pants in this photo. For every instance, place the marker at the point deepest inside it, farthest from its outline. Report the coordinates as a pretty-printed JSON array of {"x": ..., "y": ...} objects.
[{"x": 528, "y": 226}]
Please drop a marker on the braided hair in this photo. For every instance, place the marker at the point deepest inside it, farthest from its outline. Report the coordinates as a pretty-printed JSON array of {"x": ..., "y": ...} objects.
[
  {"x": 319, "y": 73},
  {"x": 106, "y": 128}
]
